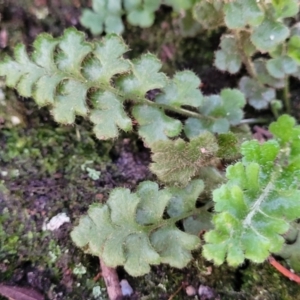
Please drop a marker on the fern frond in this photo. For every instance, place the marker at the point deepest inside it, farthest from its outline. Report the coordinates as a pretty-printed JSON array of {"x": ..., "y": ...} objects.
[
  {"x": 220, "y": 111},
  {"x": 155, "y": 125},
  {"x": 105, "y": 16},
  {"x": 183, "y": 201},
  {"x": 138, "y": 82},
  {"x": 259, "y": 200},
  {"x": 176, "y": 162},
  {"x": 93, "y": 80},
  {"x": 130, "y": 230},
  {"x": 183, "y": 89},
  {"x": 57, "y": 74}
]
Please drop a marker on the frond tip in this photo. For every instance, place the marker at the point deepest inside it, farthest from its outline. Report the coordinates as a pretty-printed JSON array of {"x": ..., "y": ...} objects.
[{"x": 61, "y": 72}]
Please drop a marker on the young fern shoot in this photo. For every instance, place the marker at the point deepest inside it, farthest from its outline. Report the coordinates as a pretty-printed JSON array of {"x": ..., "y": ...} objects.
[{"x": 260, "y": 199}]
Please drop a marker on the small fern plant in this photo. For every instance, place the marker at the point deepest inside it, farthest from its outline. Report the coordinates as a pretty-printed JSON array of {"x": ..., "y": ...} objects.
[
  {"x": 252, "y": 207},
  {"x": 107, "y": 15},
  {"x": 262, "y": 36}
]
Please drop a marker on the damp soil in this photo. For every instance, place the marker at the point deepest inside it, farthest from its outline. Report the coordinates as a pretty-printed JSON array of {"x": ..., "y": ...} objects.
[{"x": 43, "y": 172}]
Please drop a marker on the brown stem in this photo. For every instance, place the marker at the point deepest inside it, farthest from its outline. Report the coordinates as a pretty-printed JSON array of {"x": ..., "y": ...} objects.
[
  {"x": 176, "y": 292},
  {"x": 143, "y": 100},
  {"x": 284, "y": 271},
  {"x": 111, "y": 279},
  {"x": 245, "y": 58}
]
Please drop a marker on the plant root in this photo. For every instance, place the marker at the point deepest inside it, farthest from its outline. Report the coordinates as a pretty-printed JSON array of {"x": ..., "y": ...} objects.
[{"x": 111, "y": 280}]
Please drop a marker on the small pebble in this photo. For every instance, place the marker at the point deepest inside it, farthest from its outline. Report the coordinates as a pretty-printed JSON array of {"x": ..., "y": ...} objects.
[
  {"x": 126, "y": 288},
  {"x": 56, "y": 222},
  {"x": 190, "y": 290},
  {"x": 15, "y": 120},
  {"x": 205, "y": 292}
]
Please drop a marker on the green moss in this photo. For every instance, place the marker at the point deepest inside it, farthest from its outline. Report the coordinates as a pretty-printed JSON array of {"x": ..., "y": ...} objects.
[
  {"x": 51, "y": 149},
  {"x": 44, "y": 167},
  {"x": 263, "y": 282},
  {"x": 250, "y": 282},
  {"x": 20, "y": 242}
]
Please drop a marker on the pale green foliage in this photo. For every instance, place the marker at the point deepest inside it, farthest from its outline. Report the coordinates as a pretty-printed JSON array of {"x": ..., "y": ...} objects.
[
  {"x": 253, "y": 27},
  {"x": 294, "y": 48},
  {"x": 178, "y": 161},
  {"x": 228, "y": 58},
  {"x": 155, "y": 125},
  {"x": 254, "y": 208},
  {"x": 270, "y": 76},
  {"x": 291, "y": 250},
  {"x": 41, "y": 76},
  {"x": 209, "y": 14},
  {"x": 285, "y": 8},
  {"x": 264, "y": 77},
  {"x": 58, "y": 75},
  {"x": 105, "y": 16},
  {"x": 256, "y": 205},
  {"x": 257, "y": 26},
  {"x": 269, "y": 34},
  {"x": 281, "y": 66},
  {"x": 183, "y": 89},
  {"x": 139, "y": 81},
  {"x": 94, "y": 80},
  {"x": 183, "y": 201},
  {"x": 107, "y": 61},
  {"x": 108, "y": 115},
  {"x": 240, "y": 13},
  {"x": 129, "y": 230},
  {"x": 258, "y": 95},
  {"x": 221, "y": 111},
  {"x": 141, "y": 12}
]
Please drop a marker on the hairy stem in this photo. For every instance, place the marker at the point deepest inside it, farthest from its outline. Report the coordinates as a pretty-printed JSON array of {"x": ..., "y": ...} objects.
[
  {"x": 178, "y": 110},
  {"x": 143, "y": 100},
  {"x": 255, "y": 207},
  {"x": 173, "y": 220},
  {"x": 245, "y": 58},
  {"x": 111, "y": 280},
  {"x": 266, "y": 191}
]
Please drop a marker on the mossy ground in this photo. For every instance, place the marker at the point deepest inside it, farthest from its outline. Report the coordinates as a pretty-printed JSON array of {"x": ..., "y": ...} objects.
[{"x": 43, "y": 173}]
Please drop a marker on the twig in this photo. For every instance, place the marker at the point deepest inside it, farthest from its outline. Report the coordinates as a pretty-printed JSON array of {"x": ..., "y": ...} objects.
[
  {"x": 245, "y": 58},
  {"x": 176, "y": 292},
  {"x": 97, "y": 277},
  {"x": 287, "y": 273},
  {"x": 111, "y": 279}
]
